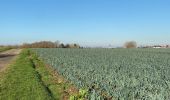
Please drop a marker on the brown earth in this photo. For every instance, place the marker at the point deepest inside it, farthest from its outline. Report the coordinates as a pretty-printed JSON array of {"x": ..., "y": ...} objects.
[{"x": 6, "y": 57}]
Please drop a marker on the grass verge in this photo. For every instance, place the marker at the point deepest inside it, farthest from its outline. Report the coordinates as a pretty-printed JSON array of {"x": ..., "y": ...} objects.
[
  {"x": 29, "y": 78},
  {"x": 22, "y": 82},
  {"x": 58, "y": 87},
  {"x": 4, "y": 49}
]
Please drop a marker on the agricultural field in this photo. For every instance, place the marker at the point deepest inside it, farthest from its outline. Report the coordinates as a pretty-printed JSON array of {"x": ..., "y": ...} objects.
[{"x": 118, "y": 74}]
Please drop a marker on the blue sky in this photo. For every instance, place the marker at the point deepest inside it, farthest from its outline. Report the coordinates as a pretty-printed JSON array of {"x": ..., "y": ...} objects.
[{"x": 87, "y": 22}]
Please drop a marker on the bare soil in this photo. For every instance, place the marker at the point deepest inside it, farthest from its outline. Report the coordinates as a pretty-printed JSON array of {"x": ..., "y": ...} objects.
[{"x": 7, "y": 56}]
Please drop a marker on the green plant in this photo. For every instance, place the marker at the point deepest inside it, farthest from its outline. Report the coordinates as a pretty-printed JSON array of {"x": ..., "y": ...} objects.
[
  {"x": 114, "y": 73},
  {"x": 82, "y": 95}
]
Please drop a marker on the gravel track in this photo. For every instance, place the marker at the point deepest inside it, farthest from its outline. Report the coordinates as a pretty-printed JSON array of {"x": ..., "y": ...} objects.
[{"x": 6, "y": 57}]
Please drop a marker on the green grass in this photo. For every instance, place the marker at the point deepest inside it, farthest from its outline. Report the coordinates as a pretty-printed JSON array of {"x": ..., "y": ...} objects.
[
  {"x": 22, "y": 82},
  {"x": 29, "y": 79},
  {"x": 56, "y": 84},
  {"x": 4, "y": 49}
]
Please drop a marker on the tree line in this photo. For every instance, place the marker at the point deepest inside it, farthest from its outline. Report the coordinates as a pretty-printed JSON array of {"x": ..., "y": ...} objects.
[
  {"x": 57, "y": 44},
  {"x": 49, "y": 44}
]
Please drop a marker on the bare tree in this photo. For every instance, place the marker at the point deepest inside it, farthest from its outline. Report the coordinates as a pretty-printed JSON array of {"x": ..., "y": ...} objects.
[
  {"x": 49, "y": 44},
  {"x": 61, "y": 45},
  {"x": 130, "y": 44},
  {"x": 72, "y": 45},
  {"x": 57, "y": 44}
]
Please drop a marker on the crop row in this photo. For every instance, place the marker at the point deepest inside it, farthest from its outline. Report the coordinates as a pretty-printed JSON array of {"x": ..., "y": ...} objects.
[{"x": 122, "y": 74}]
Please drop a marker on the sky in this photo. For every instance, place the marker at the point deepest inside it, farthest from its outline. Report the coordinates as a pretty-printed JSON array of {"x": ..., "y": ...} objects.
[{"x": 87, "y": 22}]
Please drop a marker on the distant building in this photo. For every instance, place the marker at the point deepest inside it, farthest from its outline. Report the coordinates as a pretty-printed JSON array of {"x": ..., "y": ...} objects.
[
  {"x": 161, "y": 46},
  {"x": 157, "y": 46}
]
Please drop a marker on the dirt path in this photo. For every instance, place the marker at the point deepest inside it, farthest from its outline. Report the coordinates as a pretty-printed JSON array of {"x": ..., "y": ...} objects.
[{"x": 7, "y": 56}]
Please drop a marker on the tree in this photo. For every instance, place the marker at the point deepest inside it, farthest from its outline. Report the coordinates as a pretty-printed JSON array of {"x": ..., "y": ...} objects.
[
  {"x": 76, "y": 45},
  {"x": 57, "y": 44},
  {"x": 72, "y": 45},
  {"x": 49, "y": 44},
  {"x": 61, "y": 45},
  {"x": 130, "y": 44}
]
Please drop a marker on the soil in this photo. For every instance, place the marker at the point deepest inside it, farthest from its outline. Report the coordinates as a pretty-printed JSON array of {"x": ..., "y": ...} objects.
[{"x": 6, "y": 57}]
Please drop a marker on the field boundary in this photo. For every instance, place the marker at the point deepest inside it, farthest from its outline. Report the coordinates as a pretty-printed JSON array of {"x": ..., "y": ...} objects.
[{"x": 57, "y": 86}]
